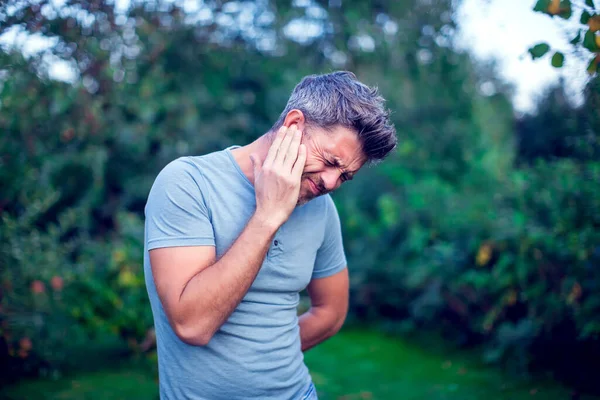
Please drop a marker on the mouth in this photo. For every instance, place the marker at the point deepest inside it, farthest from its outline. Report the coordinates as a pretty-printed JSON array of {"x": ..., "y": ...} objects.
[{"x": 313, "y": 187}]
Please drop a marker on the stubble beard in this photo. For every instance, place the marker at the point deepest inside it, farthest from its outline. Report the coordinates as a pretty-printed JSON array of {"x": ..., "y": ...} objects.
[{"x": 308, "y": 195}]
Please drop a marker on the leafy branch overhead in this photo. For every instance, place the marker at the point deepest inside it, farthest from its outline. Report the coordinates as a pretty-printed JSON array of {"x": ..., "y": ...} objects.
[{"x": 588, "y": 34}]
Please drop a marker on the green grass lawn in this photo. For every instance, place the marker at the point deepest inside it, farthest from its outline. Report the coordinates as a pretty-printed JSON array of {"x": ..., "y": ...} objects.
[
  {"x": 355, "y": 364},
  {"x": 368, "y": 365}
]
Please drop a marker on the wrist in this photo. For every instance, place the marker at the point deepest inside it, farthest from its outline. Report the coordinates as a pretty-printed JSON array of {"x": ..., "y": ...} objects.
[{"x": 266, "y": 222}]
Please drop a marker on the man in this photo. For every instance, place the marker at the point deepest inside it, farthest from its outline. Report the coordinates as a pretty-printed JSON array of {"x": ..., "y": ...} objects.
[{"x": 232, "y": 237}]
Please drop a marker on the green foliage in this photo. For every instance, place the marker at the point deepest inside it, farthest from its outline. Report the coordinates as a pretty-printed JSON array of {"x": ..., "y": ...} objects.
[
  {"x": 565, "y": 10},
  {"x": 585, "y": 17},
  {"x": 590, "y": 24},
  {"x": 542, "y": 5},
  {"x": 500, "y": 256},
  {"x": 539, "y": 50},
  {"x": 60, "y": 290},
  {"x": 594, "y": 65},
  {"x": 78, "y": 159},
  {"x": 469, "y": 228},
  {"x": 558, "y": 59},
  {"x": 113, "y": 286},
  {"x": 562, "y": 8},
  {"x": 559, "y": 129},
  {"x": 589, "y": 41},
  {"x": 507, "y": 266}
]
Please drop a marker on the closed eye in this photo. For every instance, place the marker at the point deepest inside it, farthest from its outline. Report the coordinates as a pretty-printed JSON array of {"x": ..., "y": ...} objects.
[{"x": 345, "y": 176}]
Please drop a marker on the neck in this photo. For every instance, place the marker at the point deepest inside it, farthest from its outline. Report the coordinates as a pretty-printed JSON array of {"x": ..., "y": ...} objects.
[{"x": 260, "y": 147}]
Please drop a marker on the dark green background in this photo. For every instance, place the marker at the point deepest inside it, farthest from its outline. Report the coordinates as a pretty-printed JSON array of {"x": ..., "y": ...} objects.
[{"x": 481, "y": 230}]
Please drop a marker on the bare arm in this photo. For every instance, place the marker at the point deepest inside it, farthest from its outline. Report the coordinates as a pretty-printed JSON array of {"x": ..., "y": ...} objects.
[
  {"x": 329, "y": 306},
  {"x": 199, "y": 293}
]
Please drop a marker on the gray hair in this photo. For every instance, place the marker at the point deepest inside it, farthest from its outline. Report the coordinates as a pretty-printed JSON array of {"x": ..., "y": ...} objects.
[{"x": 339, "y": 98}]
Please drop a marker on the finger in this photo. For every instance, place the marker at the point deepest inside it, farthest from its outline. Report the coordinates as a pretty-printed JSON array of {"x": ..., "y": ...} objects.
[
  {"x": 273, "y": 150},
  {"x": 255, "y": 164},
  {"x": 300, "y": 161},
  {"x": 285, "y": 145},
  {"x": 292, "y": 153}
]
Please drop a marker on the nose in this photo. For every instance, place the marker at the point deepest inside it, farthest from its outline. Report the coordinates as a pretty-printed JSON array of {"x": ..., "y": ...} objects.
[{"x": 331, "y": 179}]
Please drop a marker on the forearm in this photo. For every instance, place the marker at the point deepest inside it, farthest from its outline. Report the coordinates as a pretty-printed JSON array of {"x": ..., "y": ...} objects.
[
  {"x": 210, "y": 296},
  {"x": 317, "y": 325}
]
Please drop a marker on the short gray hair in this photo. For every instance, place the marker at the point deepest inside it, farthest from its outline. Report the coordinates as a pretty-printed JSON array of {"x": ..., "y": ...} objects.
[{"x": 338, "y": 98}]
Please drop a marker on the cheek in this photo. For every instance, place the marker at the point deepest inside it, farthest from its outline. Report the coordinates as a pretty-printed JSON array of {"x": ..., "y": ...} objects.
[
  {"x": 312, "y": 151},
  {"x": 310, "y": 164},
  {"x": 313, "y": 161}
]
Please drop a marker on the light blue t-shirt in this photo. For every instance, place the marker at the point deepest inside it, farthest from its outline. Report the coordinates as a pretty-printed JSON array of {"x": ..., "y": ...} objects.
[{"x": 256, "y": 354}]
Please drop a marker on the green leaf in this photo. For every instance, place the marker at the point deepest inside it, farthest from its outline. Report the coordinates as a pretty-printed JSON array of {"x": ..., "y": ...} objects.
[
  {"x": 542, "y": 6},
  {"x": 558, "y": 59},
  {"x": 589, "y": 3},
  {"x": 576, "y": 39},
  {"x": 585, "y": 17},
  {"x": 565, "y": 9},
  {"x": 539, "y": 50},
  {"x": 593, "y": 67},
  {"x": 589, "y": 41}
]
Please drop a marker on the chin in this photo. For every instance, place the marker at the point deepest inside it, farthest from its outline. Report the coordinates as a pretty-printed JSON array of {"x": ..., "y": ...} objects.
[
  {"x": 303, "y": 199},
  {"x": 306, "y": 197}
]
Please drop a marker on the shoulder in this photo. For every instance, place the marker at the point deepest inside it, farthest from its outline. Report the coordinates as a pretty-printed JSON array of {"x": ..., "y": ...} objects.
[
  {"x": 329, "y": 207},
  {"x": 329, "y": 203},
  {"x": 183, "y": 175},
  {"x": 193, "y": 167},
  {"x": 182, "y": 171},
  {"x": 321, "y": 209},
  {"x": 180, "y": 165}
]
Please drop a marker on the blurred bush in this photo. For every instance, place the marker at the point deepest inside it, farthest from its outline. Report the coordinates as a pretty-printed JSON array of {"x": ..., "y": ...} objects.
[
  {"x": 62, "y": 290},
  {"x": 480, "y": 226},
  {"x": 505, "y": 257}
]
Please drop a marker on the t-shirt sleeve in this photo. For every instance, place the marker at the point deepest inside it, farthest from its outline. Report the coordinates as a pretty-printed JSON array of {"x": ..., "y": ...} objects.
[
  {"x": 331, "y": 258},
  {"x": 176, "y": 211}
]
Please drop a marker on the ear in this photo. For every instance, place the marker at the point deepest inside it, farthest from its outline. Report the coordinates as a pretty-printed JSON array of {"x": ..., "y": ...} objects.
[{"x": 295, "y": 117}]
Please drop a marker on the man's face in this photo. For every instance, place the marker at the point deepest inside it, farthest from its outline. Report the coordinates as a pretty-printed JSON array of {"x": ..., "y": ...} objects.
[{"x": 333, "y": 157}]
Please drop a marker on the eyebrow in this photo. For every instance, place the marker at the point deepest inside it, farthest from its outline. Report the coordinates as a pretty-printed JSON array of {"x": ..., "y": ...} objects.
[{"x": 338, "y": 163}]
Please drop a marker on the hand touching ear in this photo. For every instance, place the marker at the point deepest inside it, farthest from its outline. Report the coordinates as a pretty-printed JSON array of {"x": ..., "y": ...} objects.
[{"x": 277, "y": 180}]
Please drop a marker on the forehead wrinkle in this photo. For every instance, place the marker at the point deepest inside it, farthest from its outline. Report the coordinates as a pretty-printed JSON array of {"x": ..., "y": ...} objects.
[{"x": 344, "y": 145}]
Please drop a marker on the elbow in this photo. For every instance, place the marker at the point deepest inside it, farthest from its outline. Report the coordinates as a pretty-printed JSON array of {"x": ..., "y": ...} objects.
[
  {"x": 338, "y": 325},
  {"x": 331, "y": 320},
  {"x": 193, "y": 335},
  {"x": 336, "y": 321},
  {"x": 339, "y": 320}
]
